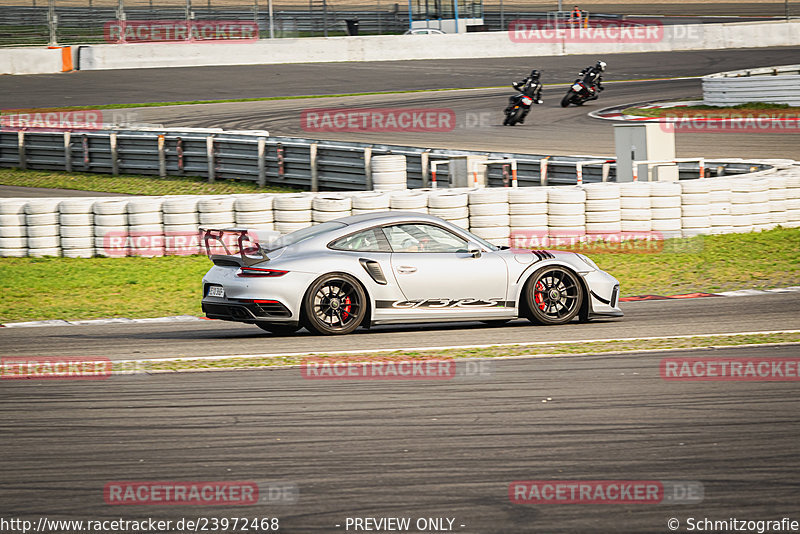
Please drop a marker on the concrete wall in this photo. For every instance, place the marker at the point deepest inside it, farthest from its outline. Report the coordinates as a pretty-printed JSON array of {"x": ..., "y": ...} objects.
[
  {"x": 393, "y": 47},
  {"x": 30, "y": 60},
  {"x": 405, "y": 47}
]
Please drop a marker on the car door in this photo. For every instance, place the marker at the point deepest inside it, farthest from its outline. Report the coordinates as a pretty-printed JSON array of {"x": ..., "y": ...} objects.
[{"x": 433, "y": 268}]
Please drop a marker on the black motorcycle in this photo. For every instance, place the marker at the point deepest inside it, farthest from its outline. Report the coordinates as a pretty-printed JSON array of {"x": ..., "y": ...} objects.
[
  {"x": 518, "y": 106},
  {"x": 580, "y": 92}
]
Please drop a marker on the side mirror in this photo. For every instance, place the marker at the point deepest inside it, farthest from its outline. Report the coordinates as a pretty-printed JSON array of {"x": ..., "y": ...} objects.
[{"x": 474, "y": 249}]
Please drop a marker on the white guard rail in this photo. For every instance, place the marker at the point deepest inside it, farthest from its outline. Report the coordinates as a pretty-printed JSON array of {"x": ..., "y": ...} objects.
[{"x": 780, "y": 85}]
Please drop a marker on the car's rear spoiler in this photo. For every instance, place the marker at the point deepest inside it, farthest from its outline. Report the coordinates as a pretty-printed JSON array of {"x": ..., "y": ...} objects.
[{"x": 246, "y": 251}]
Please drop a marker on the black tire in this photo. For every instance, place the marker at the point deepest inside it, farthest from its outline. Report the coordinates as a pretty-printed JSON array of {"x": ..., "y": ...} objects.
[
  {"x": 567, "y": 100},
  {"x": 334, "y": 304},
  {"x": 553, "y": 295},
  {"x": 279, "y": 329},
  {"x": 517, "y": 116}
]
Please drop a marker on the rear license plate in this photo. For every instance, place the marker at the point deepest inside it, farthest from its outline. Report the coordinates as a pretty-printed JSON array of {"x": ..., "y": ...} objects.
[{"x": 216, "y": 291}]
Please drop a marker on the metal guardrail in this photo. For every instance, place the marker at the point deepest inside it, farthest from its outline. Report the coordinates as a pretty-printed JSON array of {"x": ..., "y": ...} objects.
[
  {"x": 299, "y": 163},
  {"x": 768, "y": 84}
]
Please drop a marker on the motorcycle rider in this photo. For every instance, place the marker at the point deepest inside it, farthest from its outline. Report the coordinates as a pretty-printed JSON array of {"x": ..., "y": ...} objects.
[
  {"x": 593, "y": 77},
  {"x": 529, "y": 86}
]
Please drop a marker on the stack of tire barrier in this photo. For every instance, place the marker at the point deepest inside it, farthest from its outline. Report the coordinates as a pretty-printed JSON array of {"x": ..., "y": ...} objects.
[
  {"x": 292, "y": 212},
  {"x": 527, "y": 208},
  {"x": 720, "y": 207},
  {"x": 416, "y": 201},
  {"x": 146, "y": 227},
  {"x": 254, "y": 211},
  {"x": 635, "y": 205},
  {"x": 489, "y": 215},
  {"x": 44, "y": 231},
  {"x": 77, "y": 227},
  {"x": 603, "y": 208},
  {"x": 695, "y": 199},
  {"x": 777, "y": 201},
  {"x": 665, "y": 209},
  {"x": 759, "y": 205},
  {"x": 566, "y": 212},
  {"x": 326, "y": 208},
  {"x": 741, "y": 214},
  {"x": 793, "y": 200},
  {"x": 451, "y": 206},
  {"x": 388, "y": 172},
  {"x": 111, "y": 237},
  {"x": 370, "y": 203},
  {"x": 181, "y": 220},
  {"x": 13, "y": 229}
]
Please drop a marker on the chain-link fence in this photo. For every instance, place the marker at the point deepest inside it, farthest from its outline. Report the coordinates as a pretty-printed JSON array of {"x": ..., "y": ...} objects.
[{"x": 42, "y": 22}]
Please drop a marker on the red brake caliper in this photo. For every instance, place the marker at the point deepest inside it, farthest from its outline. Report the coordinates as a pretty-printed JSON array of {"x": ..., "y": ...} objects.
[
  {"x": 537, "y": 295},
  {"x": 347, "y": 308}
]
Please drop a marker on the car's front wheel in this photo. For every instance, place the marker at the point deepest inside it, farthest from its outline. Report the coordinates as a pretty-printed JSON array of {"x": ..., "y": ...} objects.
[
  {"x": 334, "y": 304},
  {"x": 553, "y": 295}
]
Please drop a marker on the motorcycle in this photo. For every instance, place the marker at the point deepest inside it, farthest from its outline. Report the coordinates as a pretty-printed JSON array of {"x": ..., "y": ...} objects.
[
  {"x": 516, "y": 108},
  {"x": 579, "y": 93}
]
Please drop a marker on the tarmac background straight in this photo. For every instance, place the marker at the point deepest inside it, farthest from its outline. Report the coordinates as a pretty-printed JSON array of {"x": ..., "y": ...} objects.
[{"x": 417, "y": 448}]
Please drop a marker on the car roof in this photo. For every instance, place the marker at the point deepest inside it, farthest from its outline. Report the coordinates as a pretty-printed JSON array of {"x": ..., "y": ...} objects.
[{"x": 387, "y": 217}]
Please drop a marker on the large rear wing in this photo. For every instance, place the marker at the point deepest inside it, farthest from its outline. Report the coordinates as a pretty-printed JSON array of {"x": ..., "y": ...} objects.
[{"x": 228, "y": 246}]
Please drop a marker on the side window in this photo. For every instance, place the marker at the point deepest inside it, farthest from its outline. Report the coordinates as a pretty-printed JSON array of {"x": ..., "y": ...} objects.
[
  {"x": 423, "y": 238},
  {"x": 371, "y": 240}
]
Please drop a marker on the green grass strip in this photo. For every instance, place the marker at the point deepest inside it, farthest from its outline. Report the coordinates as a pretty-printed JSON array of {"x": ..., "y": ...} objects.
[
  {"x": 71, "y": 289},
  {"x": 127, "y": 184}
]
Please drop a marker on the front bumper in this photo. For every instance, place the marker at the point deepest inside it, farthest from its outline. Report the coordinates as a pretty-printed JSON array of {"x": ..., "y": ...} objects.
[{"x": 603, "y": 295}]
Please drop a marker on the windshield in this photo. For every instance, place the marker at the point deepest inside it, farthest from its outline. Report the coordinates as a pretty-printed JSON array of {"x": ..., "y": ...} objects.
[{"x": 301, "y": 235}]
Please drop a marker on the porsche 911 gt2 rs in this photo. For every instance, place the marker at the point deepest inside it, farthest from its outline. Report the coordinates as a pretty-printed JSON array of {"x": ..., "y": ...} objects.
[{"x": 394, "y": 267}]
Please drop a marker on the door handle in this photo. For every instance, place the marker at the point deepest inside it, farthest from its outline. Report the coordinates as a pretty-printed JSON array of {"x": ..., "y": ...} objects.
[{"x": 406, "y": 269}]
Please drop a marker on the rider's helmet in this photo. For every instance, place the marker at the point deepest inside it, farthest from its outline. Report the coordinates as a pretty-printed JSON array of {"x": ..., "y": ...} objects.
[
  {"x": 535, "y": 74},
  {"x": 600, "y": 65}
]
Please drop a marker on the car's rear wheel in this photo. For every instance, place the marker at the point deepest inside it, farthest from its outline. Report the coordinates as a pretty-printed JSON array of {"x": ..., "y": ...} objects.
[
  {"x": 334, "y": 304},
  {"x": 553, "y": 295},
  {"x": 280, "y": 329}
]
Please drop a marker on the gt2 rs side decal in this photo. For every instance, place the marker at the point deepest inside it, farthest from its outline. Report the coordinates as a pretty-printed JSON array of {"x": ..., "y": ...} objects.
[{"x": 445, "y": 303}]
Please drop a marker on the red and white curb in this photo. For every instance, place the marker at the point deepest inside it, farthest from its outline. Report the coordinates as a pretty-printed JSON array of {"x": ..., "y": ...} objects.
[
  {"x": 615, "y": 113},
  {"x": 194, "y": 318}
]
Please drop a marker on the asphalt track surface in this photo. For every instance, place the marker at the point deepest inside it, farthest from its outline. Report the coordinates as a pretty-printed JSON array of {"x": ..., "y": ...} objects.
[
  {"x": 438, "y": 448},
  {"x": 711, "y": 315}
]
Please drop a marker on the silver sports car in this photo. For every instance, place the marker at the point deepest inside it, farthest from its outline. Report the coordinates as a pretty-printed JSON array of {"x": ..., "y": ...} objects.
[{"x": 394, "y": 267}]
